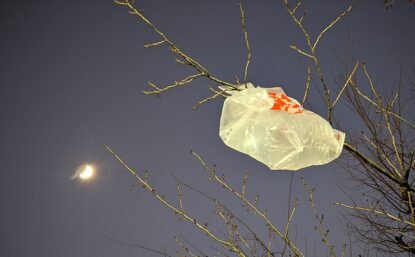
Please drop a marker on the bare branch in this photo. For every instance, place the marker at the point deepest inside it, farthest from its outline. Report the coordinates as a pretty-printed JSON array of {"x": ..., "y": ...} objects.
[
  {"x": 244, "y": 182},
  {"x": 261, "y": 214},
  {"x": 372, "y": 210},
  {"x": 381, "y": 108},
  {"x": 346, "y": 83},
  {"x": 175, "y": 84},
  {"x": 154, "y": 44},
  {"x": 307, "y": 85},
  {"x": 331, "y": 25},
  {"x": 301, "y": 52},
  {"x": 248, "y": 49},
  {"x": 216, "y": 94},
  {"x": 376, "y": 167},
  {"x": 324, "y": 233},
  {"x": 137, "y": 246},
  {"x": 180, "y": 196},
  {"x": 186, "y": 59},
  {"x": 182, "y": 246},
  {"x": 221, "y": 205},
  {"x": 182, "y": 214}
]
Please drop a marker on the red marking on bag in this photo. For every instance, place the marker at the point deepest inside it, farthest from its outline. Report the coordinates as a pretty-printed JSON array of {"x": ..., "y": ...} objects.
[{"x": 283, "y": 103}]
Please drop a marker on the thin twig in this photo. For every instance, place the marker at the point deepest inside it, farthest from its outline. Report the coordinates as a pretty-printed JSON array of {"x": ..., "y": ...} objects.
[
  {"x": 307, "y": 85},
  {"x": 175, "y": 84},
  {"x": 346, "y": 83},
  {"x": 216, "y": 94},
  {"x": 381, "y": 108},
  {"x": 331, "y": 25},
  {"x": 376, "y": 212},
  {"x": 248, "y": 49},
  {"x": 301, "y": 51},
  {"x": 137, "y": 246},
  {"x": 154, "y": 44},
  {"x": 324, "y": 233}
]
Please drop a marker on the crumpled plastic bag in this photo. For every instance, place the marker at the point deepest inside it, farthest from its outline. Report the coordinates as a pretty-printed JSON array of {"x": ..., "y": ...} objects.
[{"x": 273, "y": 128}]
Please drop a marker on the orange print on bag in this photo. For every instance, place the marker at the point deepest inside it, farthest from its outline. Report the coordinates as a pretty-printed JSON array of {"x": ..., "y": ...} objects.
[
  {"x": 337, "y": 136},
  {"x": 283, "y": 103}
]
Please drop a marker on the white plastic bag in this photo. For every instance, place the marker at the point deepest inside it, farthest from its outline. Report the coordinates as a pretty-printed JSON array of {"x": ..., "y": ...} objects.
[{"x": 275, "y": 130}]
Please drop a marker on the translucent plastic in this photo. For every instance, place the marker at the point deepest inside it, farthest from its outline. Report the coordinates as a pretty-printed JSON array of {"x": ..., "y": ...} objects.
[{"x": 275, "y": 130}]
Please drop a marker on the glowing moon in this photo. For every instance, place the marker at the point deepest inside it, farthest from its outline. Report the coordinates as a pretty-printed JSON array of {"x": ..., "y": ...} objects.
[{"x": 84, "y": 172}]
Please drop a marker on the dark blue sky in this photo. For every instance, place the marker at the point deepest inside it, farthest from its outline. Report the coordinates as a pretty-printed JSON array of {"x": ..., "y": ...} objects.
[{"x": 71, "y": 76}]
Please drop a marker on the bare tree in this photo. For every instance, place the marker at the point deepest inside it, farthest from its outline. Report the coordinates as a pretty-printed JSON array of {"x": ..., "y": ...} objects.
[
  {"x": 380, "y": 160},
  {"x": 382, "y": 168}
]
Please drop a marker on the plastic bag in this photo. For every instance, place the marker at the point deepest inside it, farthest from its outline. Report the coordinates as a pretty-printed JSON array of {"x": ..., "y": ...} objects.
[{"x": 275, "y": 130}]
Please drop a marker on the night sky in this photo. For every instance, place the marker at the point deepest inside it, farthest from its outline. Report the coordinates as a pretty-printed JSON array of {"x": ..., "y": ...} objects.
[{"x": 71, "y": 76}]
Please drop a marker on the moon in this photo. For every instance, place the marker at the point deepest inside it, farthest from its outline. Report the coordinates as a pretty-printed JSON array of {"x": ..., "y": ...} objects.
[{"x": 84, "y": 172}]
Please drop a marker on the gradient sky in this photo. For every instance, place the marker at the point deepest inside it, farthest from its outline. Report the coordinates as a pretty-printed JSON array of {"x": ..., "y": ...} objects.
[{"x": 71, "y": 76}]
